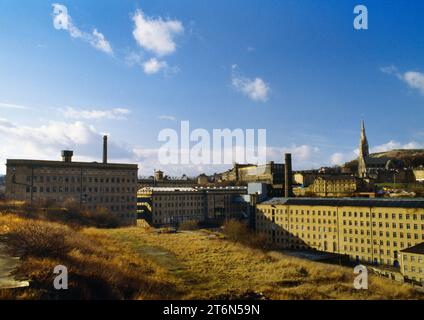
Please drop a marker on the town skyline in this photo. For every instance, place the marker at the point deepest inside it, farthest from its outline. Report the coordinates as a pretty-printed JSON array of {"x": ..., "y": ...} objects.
[{"x": 73, "y": 76}]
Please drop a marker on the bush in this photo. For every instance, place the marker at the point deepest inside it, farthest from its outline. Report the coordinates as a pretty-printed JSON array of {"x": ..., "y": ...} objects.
[
  {"x": 32, "y": 238},
  {"x": 239, "y": 232}
]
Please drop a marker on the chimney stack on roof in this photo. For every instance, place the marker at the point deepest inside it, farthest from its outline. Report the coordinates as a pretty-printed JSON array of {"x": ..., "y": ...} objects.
[{"x": 67, "y": 155}]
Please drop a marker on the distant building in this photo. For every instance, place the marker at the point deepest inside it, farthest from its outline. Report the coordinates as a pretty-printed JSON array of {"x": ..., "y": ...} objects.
[
  {"x": 159, "y": 179},
  {"x": 173, "y": 205},
  {"x": 91, "y": 184},
  {"x": 419, "y": 174},
  {"x": 374, "y": 231},
  {"x": 338, "y": 186},
  {"x": 304, "y": 178},
  {"x": 271, "y": 173},
  {"x": 202, "y": 179}
]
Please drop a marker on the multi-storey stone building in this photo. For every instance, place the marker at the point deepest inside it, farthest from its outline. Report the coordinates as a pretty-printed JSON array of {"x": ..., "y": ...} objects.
[
  {"x": 166, "y": 205},
  {"x": 93, "y": 185},
  {"x": 412, "y": 261},
  {"x": 369, "y": 230}
]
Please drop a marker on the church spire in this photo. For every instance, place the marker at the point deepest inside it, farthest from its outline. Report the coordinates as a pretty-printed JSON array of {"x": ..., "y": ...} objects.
[
  {"x": 363, "y": 153},
  {"x": 363, "y": 146}
]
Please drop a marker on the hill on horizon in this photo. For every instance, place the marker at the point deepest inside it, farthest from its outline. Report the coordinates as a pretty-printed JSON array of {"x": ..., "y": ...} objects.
[{"x": 410, "y": 157}]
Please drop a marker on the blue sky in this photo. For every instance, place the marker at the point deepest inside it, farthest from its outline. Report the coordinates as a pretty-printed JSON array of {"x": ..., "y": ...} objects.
[{"x": 132, "y": 68}]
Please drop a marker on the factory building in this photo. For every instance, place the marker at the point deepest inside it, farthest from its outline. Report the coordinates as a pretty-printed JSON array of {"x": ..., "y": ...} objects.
[
  {"x": 374, "y": 231},
  {"x": 413, "y": 264},
  {"x": 173, "y": 205},
  {"x": 111, "y": 186}
]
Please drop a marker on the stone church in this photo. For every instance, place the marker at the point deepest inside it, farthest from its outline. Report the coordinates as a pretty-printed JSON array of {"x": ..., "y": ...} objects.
[{"x": 369, "y": 167}]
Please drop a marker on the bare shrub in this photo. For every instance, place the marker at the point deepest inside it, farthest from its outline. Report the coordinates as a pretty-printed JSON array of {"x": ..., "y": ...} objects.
[
  {"x": 239, "y": 232},
  {"x": 30, "y": 237}
]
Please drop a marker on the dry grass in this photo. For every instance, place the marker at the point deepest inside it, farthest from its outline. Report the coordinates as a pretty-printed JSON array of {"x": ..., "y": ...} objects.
[
  {"x": 189, "y": 225},
  {"x": 212, "y": 267},
  {"x": 68, "y": 212},
  {"x": 98, "y": 268}
]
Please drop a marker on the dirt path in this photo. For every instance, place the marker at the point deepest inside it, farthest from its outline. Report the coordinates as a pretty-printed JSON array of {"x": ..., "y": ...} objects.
[{"x": 7, "y": 265}]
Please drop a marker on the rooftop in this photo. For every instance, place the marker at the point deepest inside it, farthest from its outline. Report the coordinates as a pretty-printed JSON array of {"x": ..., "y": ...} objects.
[
  {"x": 63, "y": 164},
  {"x": 189, "y": 189},
  {"x": 419, "y": 248},
  {"x": 336, "y": 177},
  {"x": 349, "y": 202},
  {"x": 167, "y": 189}
]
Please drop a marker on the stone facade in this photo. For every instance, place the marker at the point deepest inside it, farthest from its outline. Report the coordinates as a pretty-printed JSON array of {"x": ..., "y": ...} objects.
[
  {"x": 92, "y": 185},
  {"x": 373, "y": 231},
  {"x": 413, "y": 264},
  {"x": 166, "y": 205}
]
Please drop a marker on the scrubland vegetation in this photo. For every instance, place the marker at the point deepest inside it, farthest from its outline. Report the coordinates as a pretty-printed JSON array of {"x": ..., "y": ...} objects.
[{"x": 140, "y": 263}]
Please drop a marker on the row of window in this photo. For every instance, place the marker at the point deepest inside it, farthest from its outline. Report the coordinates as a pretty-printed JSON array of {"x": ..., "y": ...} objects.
[
  {"x": 413, "y": 269},
  {"x": 386, "y": 234},
  {"x": 177, "y": 204},
  {"x": 162, "y": 198},
  {"x": 411, "y": 258},
  {"x": 60, "y": 189},
  {"x": 380, "y": 215},
  {"x": 168, "y": 213},
  {"x": 115, "y": 208},
  {"x": 74, "y": 179}
]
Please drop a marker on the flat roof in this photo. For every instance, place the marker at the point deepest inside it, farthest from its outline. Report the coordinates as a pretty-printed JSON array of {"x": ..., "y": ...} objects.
[
  {"x": 167, "y": 189},
  {"x": 419, "y": 248},
  {"x": 190, "y": 189},
  {"x": 349, "y": 202},
  {"x": 62, "y": 164}
]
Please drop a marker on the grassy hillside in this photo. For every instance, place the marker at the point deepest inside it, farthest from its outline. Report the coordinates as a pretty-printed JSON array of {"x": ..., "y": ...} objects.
[{"x": 140, "y": 263}]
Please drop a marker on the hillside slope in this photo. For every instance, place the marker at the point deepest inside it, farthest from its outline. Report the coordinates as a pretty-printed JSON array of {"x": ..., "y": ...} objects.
[{"x": 410, "y": 157}]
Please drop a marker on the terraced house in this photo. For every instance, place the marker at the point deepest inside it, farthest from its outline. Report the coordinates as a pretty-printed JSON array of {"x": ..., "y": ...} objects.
[{"x": 374, "y": 231}]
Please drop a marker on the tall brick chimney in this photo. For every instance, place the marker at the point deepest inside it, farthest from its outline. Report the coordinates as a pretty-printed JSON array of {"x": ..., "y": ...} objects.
[
  {"x": 105, "y": 149},
  {"x": 288, "y": 185}
]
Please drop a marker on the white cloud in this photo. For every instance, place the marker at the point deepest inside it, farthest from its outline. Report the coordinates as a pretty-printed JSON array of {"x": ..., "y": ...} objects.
[
  {"x": 133, "y": 58},
  {"x": 392, "y": 144},
  {"x": 156, "y": 34},
  {"x": 340, "y": 158},
  {"x": 99, "y": 42},
  {"x": 389, "y": 69},
  {"x": 303, "y": 156},
  {"x": 13, "y": 106},
  {"x": 153, "y": 66},
  {"x": 166, "y": 117},
  {"x": 256, "y": 89},
  {"x": 116, "y": 114},
  {"x": 46, "y": 141},
  {"x": 413, "y": 79},
  {"x": 63, "y": 21}
]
